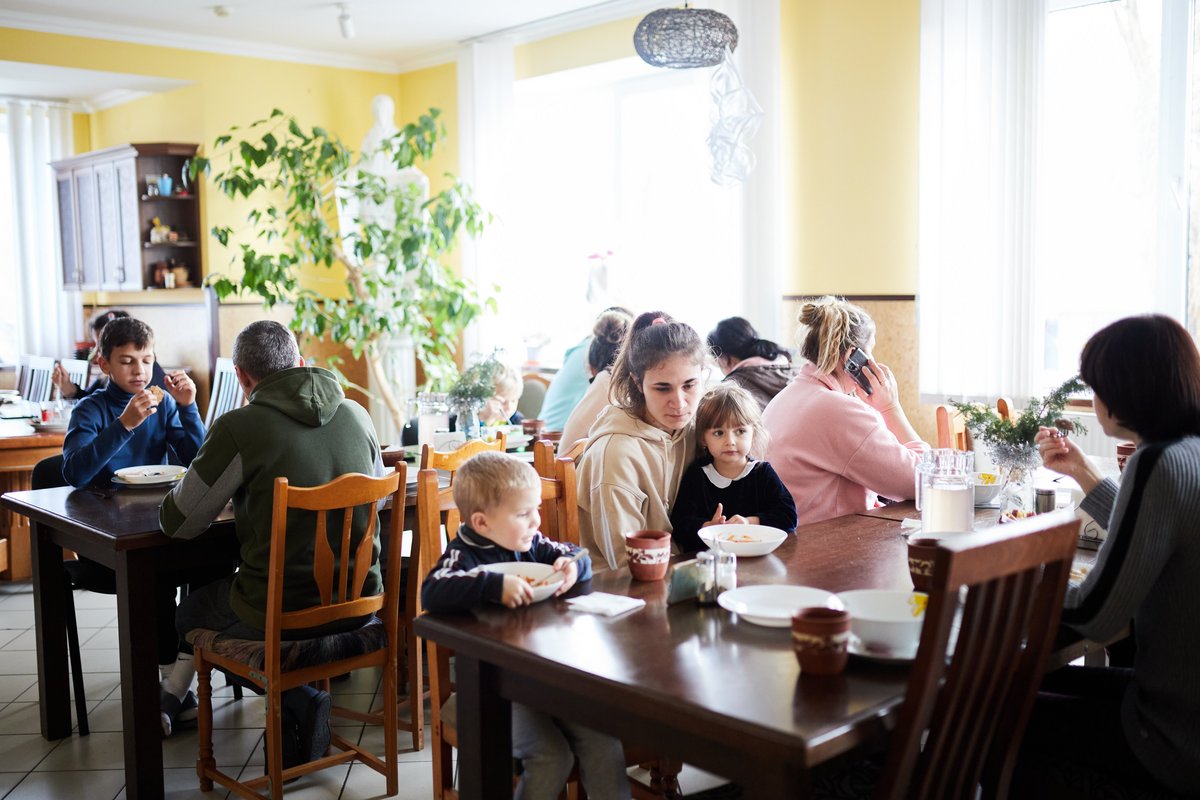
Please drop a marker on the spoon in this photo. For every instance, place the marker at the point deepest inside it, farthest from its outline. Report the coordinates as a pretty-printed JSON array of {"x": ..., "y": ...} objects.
[{"x": 561, "y": 568}]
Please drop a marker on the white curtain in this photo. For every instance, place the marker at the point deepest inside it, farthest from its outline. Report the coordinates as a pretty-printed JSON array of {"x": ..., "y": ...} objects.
[
  {"x": 485, "y": 98},
  {"x": 49, "y": 317},
  {"x": 981, "y": 64}
]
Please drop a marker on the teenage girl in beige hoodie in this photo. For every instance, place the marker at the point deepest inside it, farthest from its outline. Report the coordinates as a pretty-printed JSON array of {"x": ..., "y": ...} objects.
[{"x": 640, "y": 446}]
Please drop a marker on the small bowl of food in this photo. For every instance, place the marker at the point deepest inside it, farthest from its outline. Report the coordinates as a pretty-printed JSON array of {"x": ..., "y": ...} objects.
[
  {"x": 742, "y": 540},
  {"x": 885, "y": 620},
  {"x": 530, "y": 572},
  {"x": 987, "y": 487}
]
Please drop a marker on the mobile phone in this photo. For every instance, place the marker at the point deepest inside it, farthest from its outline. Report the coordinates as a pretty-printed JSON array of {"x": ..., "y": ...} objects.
[{"x": 855, "y": 366}]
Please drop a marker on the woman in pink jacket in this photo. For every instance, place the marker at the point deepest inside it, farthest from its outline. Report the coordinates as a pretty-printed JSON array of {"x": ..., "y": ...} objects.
[{"x": 838, "y": 435}]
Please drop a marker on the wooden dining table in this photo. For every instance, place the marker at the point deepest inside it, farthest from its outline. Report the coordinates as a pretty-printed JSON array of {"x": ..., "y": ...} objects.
[
  {"x": 117, "y": 528},
  {"x": 693, "y": 683},
  {"x": 21, "y": 447}
]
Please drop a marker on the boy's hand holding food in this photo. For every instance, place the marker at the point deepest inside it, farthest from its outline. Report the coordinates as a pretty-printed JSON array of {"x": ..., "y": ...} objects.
[
  {"x": 516, "y": 592},
  {"x": 140, "y": 406},
  {"x": 181, "y": 387}
]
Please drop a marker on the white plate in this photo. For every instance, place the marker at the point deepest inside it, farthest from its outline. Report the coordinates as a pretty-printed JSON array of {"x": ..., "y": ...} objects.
[
  {"x": 883, "y": 656},
  {"x": 50, "y": 427},
  {"x": 119, "y": 481},
  {"x": 528, "y": 569},
  {"x": 150, "y": 474},
  {"x": 764, "y": 538},
  {"x": 774, "y": 605}
]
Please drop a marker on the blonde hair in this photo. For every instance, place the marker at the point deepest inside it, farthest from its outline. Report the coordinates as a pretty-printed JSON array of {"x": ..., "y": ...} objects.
[
  {"x": 728, "y": 405},
  {"x": 652, "y": 339},
  {"x": 483, "y": 481},
  {"x": 508, "y": 378},
  {"x": 831, "y": 326}
]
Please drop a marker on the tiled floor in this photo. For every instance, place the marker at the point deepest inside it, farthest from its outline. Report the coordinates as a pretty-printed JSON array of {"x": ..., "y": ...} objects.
[{"x": 89, "y": 767}]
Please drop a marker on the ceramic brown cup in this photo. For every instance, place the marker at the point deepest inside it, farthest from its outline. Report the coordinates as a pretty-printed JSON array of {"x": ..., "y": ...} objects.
[
  {"x": 820, "y": 637},
  {"x": 920, "y": 562},
  {"x": 649, "y": 554},
  {"x": 1124, "y": 451},
  {"x": 533, "y": 427}
]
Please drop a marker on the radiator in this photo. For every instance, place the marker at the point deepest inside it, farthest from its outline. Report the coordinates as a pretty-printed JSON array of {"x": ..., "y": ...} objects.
[{"x": 1095, "y": 442}]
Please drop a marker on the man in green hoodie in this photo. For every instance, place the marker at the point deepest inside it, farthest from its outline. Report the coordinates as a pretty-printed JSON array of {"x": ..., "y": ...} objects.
[{"x": 297, "y": 425}]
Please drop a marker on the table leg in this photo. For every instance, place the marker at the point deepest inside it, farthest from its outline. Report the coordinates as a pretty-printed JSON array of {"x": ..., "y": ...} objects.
[
  {"x": 49, "y": 616},
  {"x": 485, "y": 736},
  {"x": 139, "y": 674}
]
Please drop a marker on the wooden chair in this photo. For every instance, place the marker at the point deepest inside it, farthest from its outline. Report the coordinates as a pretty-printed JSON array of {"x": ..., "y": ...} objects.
[
  {"x": 77, "y": 371},
  {"x": 340, "y": 583},
  {"x": 451, "y": 460},
  {"x": 558, "y": 504},
  {"x": 961, "y": 723},
  {"x": 951, "y": 428},
  {"x": 33, "y": 378},
  {"x": 1005, "y": 408},
  {"x": 226, "y": 393},
  {"x": 576, "y": 450}
]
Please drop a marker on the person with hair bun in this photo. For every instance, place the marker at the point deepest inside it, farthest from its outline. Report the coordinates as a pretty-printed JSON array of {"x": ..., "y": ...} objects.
[
  {"x": 758, "y": 365},
  {"x": 835, "y": 441},
  {"x": 641, "y": 444},
  {"x": 1136, "y": 728},
  {"x": 607, "y": 336}
]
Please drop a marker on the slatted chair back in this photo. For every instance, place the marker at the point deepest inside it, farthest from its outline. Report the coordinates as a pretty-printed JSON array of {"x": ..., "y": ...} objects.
[
  {"x": 226, "y": 393},
  {"x": 951, "y": 428},
  {"x": 339, "y": 571},
  {"x": 33, "y": 382},
  {"x": 961, "y": 723},
  {"x": 451, "y": 460},
  {"x": 560, "y": 503},
  {"x": 77, "y": 371}
]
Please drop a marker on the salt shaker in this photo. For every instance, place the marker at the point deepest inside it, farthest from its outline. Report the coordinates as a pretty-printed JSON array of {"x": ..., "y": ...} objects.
[
  {"x": 726, "y": 572},
  {"x": 706, "y": 565}
]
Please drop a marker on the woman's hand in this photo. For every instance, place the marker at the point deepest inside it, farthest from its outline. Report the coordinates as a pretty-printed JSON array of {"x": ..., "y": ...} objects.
[
  {"x": 885, "y": 392},
  {"x": 516, "y": 592},
  {"x": 1061, "y": 454}
]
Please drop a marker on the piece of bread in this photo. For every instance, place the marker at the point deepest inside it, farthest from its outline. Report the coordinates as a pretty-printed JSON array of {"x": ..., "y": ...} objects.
[{"x": 157, "y": 393}]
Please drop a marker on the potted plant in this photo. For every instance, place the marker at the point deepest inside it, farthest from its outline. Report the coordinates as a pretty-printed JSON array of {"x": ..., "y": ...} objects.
[
  {"x": 474, "y": 387},
  {"x": 298, "y": 180},
  {"x": 1010, "y": 441}
]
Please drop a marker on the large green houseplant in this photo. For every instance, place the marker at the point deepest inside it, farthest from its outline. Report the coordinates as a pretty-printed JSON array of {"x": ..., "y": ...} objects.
[{"x": 298, "y": 180}]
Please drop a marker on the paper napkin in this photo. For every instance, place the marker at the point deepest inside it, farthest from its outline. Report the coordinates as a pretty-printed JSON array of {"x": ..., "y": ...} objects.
[{"x": 607, "y": 605}]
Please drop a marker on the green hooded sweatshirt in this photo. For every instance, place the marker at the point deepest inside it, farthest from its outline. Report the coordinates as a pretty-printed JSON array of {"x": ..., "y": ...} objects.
[{"x": 300, "y": 426}]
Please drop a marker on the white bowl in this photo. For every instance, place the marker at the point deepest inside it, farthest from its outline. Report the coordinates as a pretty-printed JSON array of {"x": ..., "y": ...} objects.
[
  {"x": 742, "y": 540},
  {"x": 530, "y": 571},
  {"x": 152, "y": 473},
  {"x": 987, "y": 492},
  {"x": 886, "y": 620}
]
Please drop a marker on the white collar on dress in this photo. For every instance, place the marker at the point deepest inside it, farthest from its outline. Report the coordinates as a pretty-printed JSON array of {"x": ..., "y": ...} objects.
[{"x": 719, "y": 480}]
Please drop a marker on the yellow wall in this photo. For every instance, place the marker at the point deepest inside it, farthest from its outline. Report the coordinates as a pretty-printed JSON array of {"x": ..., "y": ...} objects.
[
  {"x": 850, "y": 77},
  {"x": 436, "y": 87},
  {"x": 595, "y": 45}
]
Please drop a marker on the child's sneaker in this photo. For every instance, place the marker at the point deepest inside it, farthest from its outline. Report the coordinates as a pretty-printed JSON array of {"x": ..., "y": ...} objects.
[{"x": 176, "y": 714}]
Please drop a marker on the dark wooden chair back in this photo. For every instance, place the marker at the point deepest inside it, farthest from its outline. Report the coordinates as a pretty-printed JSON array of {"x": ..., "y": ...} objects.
[{"x": 961, "y": 723}]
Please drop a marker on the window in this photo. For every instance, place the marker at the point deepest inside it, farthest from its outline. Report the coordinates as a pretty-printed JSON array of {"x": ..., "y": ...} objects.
[
  {"x": 606, "y": 158},
  {"x": 10, "y": 306},
  {"x": 1111, "y": 202}
]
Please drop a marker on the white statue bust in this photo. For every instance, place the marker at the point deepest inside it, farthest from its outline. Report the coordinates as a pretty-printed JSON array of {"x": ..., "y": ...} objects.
[{"x": 372, "y": 157}]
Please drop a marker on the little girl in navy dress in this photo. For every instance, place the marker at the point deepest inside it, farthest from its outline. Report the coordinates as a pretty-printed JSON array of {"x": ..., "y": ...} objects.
[{"x": 726, "y": 484}]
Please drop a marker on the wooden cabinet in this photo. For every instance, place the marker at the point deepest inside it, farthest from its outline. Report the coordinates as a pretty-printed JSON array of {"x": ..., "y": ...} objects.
[{"x": 107, "y": 203}]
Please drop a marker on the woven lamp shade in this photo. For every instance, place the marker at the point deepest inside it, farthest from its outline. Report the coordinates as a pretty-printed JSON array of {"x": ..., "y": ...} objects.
[{"x": 684, "y": 38}]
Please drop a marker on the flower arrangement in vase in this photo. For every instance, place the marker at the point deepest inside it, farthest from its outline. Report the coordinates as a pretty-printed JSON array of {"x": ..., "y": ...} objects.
[
  {"x": 475, "y": 385},
  {"x": 1010, "y": 441}
]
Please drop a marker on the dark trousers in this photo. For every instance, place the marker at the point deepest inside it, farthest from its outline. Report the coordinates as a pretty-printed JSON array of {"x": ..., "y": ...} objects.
[{"x": 1075, "y": 745}]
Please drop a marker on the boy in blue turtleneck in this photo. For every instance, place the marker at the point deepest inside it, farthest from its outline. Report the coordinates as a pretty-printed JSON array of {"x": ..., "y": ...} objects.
[{"x": 130, "y": 423}]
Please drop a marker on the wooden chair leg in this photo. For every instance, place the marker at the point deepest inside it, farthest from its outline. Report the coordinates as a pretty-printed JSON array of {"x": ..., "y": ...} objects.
[
  {"x": 204, "y": 723},
  {"x": 416, "y": 688},
  {"x": 274, "y": 742},
  {"x": 76, "y": 663}
]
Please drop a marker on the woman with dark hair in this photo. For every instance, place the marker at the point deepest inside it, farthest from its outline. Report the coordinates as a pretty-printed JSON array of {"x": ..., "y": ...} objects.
[
  {"x": 758, "y": 365},
  {"x": 1139, "y": 727},
  {"x": 607, "y": 336}
]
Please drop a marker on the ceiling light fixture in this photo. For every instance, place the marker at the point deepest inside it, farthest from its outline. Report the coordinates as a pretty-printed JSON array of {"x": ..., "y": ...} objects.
[
  {"x": 345, "y": 21},
  {"x": 685, "y": 38}
]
